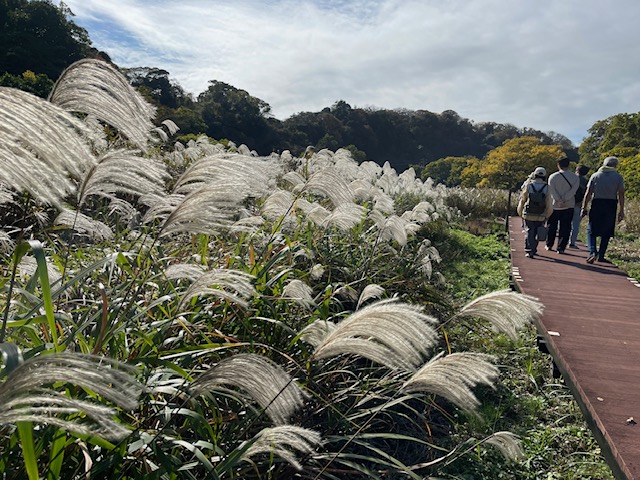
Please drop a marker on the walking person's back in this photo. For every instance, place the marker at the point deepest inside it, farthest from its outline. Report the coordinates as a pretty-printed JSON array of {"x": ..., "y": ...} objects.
[
  {"x": 606, "y": 188},
  {"x": 581, "y": 171},
  {"x": 562, "y": 188},
  {"x": 535, "y": 208}
]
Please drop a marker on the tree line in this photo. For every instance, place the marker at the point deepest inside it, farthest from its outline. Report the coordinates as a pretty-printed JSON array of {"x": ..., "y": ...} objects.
[{"x": 41, "y": 40}]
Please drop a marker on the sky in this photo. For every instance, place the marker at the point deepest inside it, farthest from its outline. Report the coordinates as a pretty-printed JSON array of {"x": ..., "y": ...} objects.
[{"x": 551, "y": 65}]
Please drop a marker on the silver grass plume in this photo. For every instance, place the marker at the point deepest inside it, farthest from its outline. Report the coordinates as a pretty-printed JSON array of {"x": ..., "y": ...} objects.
[
  {"x": 230, "y": 285},
  {"x": 278, "y": 204},
  {"x": 207, "y": 210},
  {"x": 265, "y": 381},
  {"x": 345, "y": 216},
  {"x": 28, "y": 267},
  {"x": 508, "y": 444},
  {"x": 370, "y": 291},
  {"x": 346, "y": 292},
  {"x": 96, "y": 88},
  {"x": 317, "y": 271},
  {"x": 25, "y": 397},
  {"x": 453, "y": 376},
  {"x": 300, "y": 293},
  {"x": 294, "y": 178},
  {"x": 428, "y": 254},
  {"x": 422, "y": 212},
  {"x": 125, "y": 210},
  {"x": 7, "y": 245},
  {"x": 315, "y": 212},
  {"x": 125, "y": 172},
  {"x": 42, "y": 147},
  {"x": 507, "y": 311},
  {"x": 6, "y": 195},
  {"x": 285, "y": 441},
  {"x": 362, "y": 189},
  {"x": 393, "y": 227},
  {"x": 170, "y": 127},
  {"x": 315, "y": 333},
  {"x": 383, "y": 202},
  {"x": 394, "y": 334},
  {"x": 94, "y": 229},
  {"x": 329, "y": 184},
  {"x": 246, "y": 172}
]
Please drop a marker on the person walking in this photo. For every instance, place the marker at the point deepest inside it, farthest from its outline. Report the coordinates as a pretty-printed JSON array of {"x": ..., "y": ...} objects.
[
  {"x": 581, "y": 171},
  {"x": 562, "y": 188},
  {"x": 523, "y": 187},
  {"x": 535, "y": 208},
  {"x": 605, "y": 190}
]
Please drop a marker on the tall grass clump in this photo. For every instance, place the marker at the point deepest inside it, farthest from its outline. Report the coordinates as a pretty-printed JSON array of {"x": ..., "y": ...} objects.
[{"x": 244, "y": 316}]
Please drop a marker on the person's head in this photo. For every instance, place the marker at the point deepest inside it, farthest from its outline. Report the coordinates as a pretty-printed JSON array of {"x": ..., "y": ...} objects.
[
  {"x": 563, "y": 163},
  {"x": 610, "y": 162},
  {"x": 540, "y": 172},
  {"x": 582, "y": 169}
]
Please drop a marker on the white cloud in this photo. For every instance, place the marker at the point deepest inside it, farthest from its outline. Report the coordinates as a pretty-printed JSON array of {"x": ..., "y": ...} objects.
[{"x": 545, "y": 64}]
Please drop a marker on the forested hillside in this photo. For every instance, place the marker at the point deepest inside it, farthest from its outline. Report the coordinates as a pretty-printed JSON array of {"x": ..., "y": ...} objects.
[{"x": 40, "y": 39}]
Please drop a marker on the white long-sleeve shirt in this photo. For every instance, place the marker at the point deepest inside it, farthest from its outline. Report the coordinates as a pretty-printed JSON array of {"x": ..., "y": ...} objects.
[{"x": 563, "y": 190}]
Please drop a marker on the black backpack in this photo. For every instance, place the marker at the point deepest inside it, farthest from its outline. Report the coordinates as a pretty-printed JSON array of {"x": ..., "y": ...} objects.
[{"x": 537, "y": 201}]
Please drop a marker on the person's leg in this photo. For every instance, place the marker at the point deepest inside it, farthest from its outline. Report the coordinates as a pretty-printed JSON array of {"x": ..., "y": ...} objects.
[
  {"x": 591, "y": 240},
  {"x": 530, "y": 237},
  {"x": 591, "y": 244},
  {"x": 534, "y": 237},
  {"x": 575, "y": 226},
  {"x": 604, "y": 243},
  {"x": 565, "y": 218},
  {"x": 553, "y": 227}
]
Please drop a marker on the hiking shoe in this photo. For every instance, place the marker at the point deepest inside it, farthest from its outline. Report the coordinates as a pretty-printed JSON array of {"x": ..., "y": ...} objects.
[
  {"x": 574, "y": 246},
  {"x": 591, "y": 258}
]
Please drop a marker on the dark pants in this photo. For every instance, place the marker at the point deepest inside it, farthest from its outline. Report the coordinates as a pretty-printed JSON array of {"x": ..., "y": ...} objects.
[
  {"x": 531, "y": 239},
  {"x": 602, "y": 223},
  {"x": 592, "y": 245},
  {"x": 560, "y": 224}
]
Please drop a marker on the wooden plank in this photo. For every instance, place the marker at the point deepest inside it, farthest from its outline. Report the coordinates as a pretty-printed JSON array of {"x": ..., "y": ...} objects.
[{"x": 591, "y": 324}]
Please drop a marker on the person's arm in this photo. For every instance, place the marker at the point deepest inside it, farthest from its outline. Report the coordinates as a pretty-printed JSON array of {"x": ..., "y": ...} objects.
[
  {"x": 553, "y": 192},
  {"x": 586, "y": 200},
  {"x": 524, "y": 196},
  {"x": 621, "y": 203}
]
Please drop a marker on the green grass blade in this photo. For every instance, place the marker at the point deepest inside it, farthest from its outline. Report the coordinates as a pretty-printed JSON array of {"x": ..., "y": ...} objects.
[
  {"x": 25, "y": 430},
  {"x": 56, "y": 457},
  {"x": 38, "y": 253}
]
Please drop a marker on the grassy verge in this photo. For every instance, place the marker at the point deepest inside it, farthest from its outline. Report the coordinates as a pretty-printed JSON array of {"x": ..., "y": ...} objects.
[{"x": 528, "y": 401}]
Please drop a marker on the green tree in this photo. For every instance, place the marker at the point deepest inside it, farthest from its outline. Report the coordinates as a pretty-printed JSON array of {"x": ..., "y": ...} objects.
[
  {"x": 187, "y": 119},
  {"x": 447, "y": 170},
  {"x": 508, "y": 165},
  {"x": 40, "y": 37},
  {"x": 232, "y": 113},
  {"x": 471, "y": 174},
  {"x": 39, "y": 85},
  {"x": 618, "y": 135},
  {"x": 629, "y": 168},
  {"x": 160, "y": 89}
]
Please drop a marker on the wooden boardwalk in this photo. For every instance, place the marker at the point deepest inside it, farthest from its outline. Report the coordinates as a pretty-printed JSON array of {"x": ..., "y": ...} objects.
[{"x": 591, "y": 325}]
